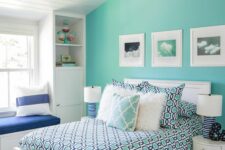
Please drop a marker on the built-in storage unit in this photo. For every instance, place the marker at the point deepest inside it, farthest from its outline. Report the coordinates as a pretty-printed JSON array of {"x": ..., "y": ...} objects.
[
  {"x": 66, "y": 80},
  {"x": 69, "y": 93}
]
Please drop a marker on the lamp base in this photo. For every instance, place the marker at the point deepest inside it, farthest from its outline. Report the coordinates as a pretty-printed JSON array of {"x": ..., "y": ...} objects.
[
  {"x": 91, "y": 107},
  {"x": 207, "y": 125}
]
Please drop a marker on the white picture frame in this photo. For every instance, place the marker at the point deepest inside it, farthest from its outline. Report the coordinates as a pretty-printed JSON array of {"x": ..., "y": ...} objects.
[
  {"x": 207, "y": 46},
  {"x": 167, "y": 49},
  {"x": 132, "y": 50}
]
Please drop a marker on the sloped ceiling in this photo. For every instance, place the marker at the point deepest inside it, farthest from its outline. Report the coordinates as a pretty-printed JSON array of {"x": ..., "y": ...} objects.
[{"x": 35, "y": 9}]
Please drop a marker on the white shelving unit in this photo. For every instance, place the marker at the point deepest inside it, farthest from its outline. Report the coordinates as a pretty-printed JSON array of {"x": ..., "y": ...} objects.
[
  {"x": 68, "y": 45},
  {"x": 66, "y": 83},
  {"x": 69, "y": 81}
]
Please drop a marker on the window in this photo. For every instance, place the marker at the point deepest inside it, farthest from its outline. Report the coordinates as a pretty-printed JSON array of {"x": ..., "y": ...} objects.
[{"x": 16, "y": 65}]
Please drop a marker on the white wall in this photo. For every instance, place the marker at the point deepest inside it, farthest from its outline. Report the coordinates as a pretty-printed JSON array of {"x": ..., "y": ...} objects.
[{"x": 46, "y": 54}]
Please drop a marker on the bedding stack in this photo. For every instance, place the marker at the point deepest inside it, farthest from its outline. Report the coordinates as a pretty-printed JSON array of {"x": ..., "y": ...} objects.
[{"x": 154, "y": 107}]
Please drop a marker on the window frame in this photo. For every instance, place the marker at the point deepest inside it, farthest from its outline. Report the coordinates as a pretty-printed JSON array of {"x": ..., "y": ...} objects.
[{"x": 29, "y": 29}]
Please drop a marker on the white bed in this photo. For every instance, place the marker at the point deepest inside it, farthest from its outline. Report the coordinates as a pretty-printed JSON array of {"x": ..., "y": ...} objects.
[
  {"x": 95, "y": 134},
  {"x": 191, "y": 90}
]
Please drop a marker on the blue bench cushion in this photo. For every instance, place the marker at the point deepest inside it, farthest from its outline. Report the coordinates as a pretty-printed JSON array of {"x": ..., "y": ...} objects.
[{"x": 16, "y": 124}]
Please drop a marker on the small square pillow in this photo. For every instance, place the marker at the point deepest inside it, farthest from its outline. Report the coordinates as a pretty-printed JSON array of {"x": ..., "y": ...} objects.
[
  {"x": 124, "y": 85},
  {"x": 107, "y": 97},
  {"x": 174, "y": 94},
  {"x": 187, "y": 109},
  {"x": 150, "y": 110},
  {"x": 32, "y": 101},
  {"x": 123, "y": 113}
]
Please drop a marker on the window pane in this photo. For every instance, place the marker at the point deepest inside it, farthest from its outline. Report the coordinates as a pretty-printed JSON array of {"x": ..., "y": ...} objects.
[
  {"x": 14, "y": 51},
  {"x": 3, "y": 89},
  {"x": 17, "y": 79}
]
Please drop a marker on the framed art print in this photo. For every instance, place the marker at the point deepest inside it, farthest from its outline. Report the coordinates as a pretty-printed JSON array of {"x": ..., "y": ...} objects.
[
  {"x": 132, "y": 50},
  {"x": 167, "y": 49},
  {"x": 208, "y": 46}
]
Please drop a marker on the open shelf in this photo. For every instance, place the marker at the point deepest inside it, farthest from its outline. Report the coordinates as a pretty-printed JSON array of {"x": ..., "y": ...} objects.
[
  {"x": 64, "y": 68},
  {"x": 60, "y": 19},
  {"x": 72, "y": 45},
  {"x": 75, "y": 48}
]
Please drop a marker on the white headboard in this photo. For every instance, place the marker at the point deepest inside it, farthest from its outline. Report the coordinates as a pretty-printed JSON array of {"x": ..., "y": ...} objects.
[{"x": 191, "y": 90}]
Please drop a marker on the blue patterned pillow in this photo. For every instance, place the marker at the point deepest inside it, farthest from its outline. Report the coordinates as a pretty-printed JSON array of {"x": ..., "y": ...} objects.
[
  {"x": 124, "y": 85},
  {"x": 170, "y": 113},
  {"x": 124, "y": 112},
  {"x": 187, "y": 109}
]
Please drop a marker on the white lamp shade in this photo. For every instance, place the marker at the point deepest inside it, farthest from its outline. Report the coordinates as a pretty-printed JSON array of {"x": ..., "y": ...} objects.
[
  {"x": 209, "y": 105},
  {"x": 92, "y": 94}
]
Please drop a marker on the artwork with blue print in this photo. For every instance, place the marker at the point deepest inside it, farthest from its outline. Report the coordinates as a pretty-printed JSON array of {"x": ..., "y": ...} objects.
[
  {"x": 132, "y": 49},
  {"x": 167, "y": 48},
  {"x": 209, "y": 46}
]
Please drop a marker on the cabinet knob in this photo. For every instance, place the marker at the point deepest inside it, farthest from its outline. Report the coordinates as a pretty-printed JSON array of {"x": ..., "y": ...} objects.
[{"x": 58, "y": 105}]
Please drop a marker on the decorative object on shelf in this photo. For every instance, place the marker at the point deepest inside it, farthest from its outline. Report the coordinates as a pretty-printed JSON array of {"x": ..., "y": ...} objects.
[
  {"x": 71, "y": 36},
  {"x": 215, "y": 136},
  {"x": 132, "y": 50},
  {"x": 66, "y": 58},
  {"x": 209, "y": 106},
  {"x": 92, "y": 95},
  {"x": 66, "y": 36},
  {"x": 208, "y": 46},
  {"x": 65, "y": 30},
  {"x": 222, "y": 135},
  {"x": 216, "y": 127},
  {"x": 66, "y": 61},
  {"x": 214, "y": 133},
  {"x": 167, "y": 49},
  {"x": 60, "y": 36}
]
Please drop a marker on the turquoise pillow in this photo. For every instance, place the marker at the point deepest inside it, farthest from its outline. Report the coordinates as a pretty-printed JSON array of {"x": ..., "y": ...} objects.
[
  {"x": 187, "y": 109},
  {"x": 124, "y": 112},
  {"x": 174, "y": 94}
]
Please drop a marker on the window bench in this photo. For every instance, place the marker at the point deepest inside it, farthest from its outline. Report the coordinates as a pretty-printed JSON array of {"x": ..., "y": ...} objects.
[{"x": 12, "y": 129}]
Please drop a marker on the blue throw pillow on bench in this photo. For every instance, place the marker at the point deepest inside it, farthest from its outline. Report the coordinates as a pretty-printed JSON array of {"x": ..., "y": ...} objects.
[{"x": 33, "y": 101}]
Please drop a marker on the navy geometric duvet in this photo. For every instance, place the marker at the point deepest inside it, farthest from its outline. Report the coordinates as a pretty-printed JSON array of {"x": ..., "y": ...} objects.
[{"x": 92, "y": 134}]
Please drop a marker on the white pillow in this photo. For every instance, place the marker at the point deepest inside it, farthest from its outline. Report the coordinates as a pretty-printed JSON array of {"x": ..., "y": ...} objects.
[
  {"x": 106, "y": 100},
  {"x": 150, "y": 110},
  {"x": 32, "y": 101}
]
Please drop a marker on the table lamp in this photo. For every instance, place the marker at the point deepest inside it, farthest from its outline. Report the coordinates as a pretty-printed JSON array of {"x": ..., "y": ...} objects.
[
  {"x": 92, "y": 95},
  {"x": 209, "y": 106}
]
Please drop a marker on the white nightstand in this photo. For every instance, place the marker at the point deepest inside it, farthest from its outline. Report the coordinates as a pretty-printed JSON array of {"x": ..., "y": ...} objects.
[{"x": 200, "y": 143}]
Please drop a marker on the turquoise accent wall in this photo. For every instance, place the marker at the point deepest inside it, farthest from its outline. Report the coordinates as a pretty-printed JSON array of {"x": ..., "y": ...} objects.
[{"x": 116, "y": 17}]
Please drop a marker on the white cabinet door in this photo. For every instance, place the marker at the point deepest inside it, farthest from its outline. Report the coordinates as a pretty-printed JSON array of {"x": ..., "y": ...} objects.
[
  {"x": 69, "y": 113},
  {"x": 69, "y": 84}
]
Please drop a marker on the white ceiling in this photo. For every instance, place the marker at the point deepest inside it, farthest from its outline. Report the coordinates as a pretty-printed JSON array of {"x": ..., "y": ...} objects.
[{"x": 36, "y": 9}]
